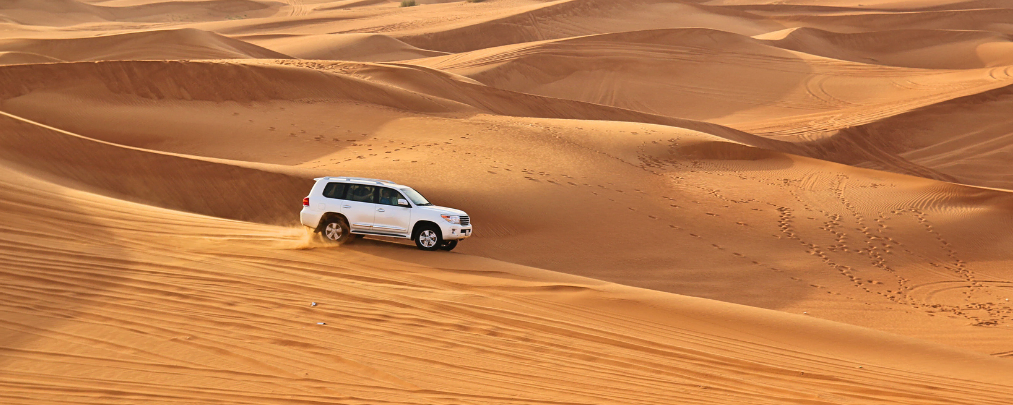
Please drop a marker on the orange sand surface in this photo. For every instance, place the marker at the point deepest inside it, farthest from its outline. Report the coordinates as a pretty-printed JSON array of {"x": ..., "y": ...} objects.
[{"x": 675, "y": 202}]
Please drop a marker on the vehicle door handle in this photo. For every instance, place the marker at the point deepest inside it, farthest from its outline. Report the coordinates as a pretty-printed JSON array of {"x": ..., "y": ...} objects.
[
  {"x": 346, "y": 206},
  {"x": 380, "y": 209}
]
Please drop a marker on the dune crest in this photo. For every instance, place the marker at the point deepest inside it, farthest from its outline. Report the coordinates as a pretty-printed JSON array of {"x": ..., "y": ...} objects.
[
  {"x": 185, "y": 43},
  {"x": 24, "y": 58},
  {"x": 928, "y": 49},
  {"x": 348, "y": 47},
  {"x": 59, "y": 13},
  {"x": 701, "y": 74},
  {"x": 699, "y": 202}
]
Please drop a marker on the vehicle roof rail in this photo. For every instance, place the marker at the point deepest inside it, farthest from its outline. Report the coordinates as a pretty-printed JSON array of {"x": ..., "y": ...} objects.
[{"x": 377, "y": 181}]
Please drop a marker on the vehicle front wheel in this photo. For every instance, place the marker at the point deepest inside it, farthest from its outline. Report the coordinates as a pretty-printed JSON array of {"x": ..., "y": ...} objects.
[
  {"x": 429, "y": 238},
  {"x": 335, "y": 230},
  {"x": 448, "y": 245}
]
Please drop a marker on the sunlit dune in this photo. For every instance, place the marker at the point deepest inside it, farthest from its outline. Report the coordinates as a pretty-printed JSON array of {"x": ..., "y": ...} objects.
[{"x": 724, "y": 202}]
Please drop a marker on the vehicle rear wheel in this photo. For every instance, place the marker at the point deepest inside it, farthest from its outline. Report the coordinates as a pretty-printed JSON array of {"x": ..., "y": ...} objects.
[
  {"x": 448, "y": 245},
  {"x": 429, "y": 238},
  {"x": 335, "y": 230}
]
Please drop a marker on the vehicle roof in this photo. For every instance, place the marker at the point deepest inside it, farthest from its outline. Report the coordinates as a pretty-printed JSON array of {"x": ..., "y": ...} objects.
[{"x": 360, "y": 180}]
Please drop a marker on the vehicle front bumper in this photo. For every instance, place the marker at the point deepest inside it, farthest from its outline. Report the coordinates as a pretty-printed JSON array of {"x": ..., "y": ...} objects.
[{"x": 456, "y": 232}]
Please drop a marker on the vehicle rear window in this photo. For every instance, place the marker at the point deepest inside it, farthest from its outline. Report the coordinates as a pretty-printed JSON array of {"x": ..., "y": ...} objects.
[
  {"x": 334, "y": 190},
  {"x": 359, "y": 192}
]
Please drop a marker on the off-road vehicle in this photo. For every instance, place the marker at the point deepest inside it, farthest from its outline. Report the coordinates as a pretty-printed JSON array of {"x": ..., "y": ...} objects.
[{"x": 341, "y": 208}]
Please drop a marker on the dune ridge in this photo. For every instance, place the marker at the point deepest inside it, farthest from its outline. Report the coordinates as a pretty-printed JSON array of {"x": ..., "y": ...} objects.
[
  {"x": 700, "y": 72},
  {"x": 720, "y": 202},
  {"x": 965, "y": 145},
  {"x": 347, "y": 47},
  {"x": 216, "y": 189},
  {"x": 993, "y": 19},
  {"x": 18, "y": 58},
  {"x": 72, "y": 12},
  {"x": 406, "y": 87},
  {"x": 916, "y": 48},
  {"x": 187, "y": 43},
  {"x": 184, "y": 80},
  {"x": 571, "y": 18}
]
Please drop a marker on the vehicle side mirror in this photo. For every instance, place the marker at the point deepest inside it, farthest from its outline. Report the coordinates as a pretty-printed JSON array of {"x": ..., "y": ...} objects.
[{"x": 402, "y": 202}]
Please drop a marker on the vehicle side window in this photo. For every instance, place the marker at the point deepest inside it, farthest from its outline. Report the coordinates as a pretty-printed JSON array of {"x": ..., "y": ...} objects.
[
  {"x": 389, "y": 196},
  {"x": 334, "y": 190},
  {"x": 359, "y": 192}
]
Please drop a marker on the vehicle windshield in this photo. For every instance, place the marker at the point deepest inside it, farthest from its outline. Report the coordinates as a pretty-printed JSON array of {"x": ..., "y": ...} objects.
[{"x": 416, "y": 198}]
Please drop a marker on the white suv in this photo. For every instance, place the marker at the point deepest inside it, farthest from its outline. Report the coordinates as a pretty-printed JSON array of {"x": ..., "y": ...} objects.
[{"x": 344, "y": 207}]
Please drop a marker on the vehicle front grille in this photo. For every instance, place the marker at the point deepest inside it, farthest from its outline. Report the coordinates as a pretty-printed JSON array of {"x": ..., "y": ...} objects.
[{"x": 465, "y": 220}]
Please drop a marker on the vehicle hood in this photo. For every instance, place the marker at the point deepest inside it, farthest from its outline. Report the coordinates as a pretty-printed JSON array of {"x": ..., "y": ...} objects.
[{"x": 441, "y": 210}]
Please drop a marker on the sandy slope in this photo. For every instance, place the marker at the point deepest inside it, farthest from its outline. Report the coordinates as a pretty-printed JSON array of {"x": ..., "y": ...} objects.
[
  {"x": 17, "y": 58},
  {"x": 965, "y": 139},
  {"x": 930, "y": 49},
  {"x": 165, "y": 307},
  {"x": 662, "y": 179},
  {"x": 675, "y": 202},
  {"x": 354, "y": 47},
  {"x": 64, "y": 13},
  {"x": 713, "y": 75},
  {"x": 152, "y": 45}
]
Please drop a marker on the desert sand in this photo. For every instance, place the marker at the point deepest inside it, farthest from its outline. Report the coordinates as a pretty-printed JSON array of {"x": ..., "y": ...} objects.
[{"x": 675, "y": 202}]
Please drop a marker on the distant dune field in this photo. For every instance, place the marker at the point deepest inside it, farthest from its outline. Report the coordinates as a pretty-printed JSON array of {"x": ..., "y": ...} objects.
[{"x": 675, "y": 202}]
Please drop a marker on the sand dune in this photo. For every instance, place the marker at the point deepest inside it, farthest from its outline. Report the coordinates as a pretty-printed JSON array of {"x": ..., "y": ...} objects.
[
  {"x": 183, "y": 308},
  {"x": 608, "y": 170},
  {"x": 929, "y": 49},
  {"x": 966, "y": 139},
  {"x": 724, "y": 202},
  {"x": 991, "y": 19},
  {"x": 71, "y": 12},
  {"x": 404, "y": 87},
  {"x": 569, "y": 18},
  {"x": 286, "y": 121},
  {"x": 626, "y": 70},
  {"x": 350, "y": 47},
  {"x": 17, "y": 58},
  {"x": 153, "y": 45},
  {"x": 211, "y": 188},
  {"x": 196, "y": 81}
]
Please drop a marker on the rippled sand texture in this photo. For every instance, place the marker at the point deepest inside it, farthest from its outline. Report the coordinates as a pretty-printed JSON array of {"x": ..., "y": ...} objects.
[{"x": 722, "y": 202}]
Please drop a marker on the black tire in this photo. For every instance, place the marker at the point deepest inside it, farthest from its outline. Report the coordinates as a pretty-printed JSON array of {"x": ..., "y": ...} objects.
[
  {"x": 448, "y": 245},
  {"x": 335, "y": 230},
  {"x": 429, "y": 238}
]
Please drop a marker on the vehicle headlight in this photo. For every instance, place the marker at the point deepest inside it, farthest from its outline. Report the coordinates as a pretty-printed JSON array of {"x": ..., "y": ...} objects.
[{"x": 454, "y": 219}]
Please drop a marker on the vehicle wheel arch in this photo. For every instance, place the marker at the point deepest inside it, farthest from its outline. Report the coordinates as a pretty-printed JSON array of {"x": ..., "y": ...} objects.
[
  {"x": 329, "y": 216},
  {"x": 421, "y": 225}
]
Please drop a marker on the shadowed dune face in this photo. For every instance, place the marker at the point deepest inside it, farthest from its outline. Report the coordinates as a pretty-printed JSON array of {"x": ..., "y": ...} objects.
[
  {"x": 210, "y": 188},
  {"x": 658, "y": 72},
  {"x": 967, "y": 139},
  {"x": 723, "y": 202},
  {"x": 991, "y": 19},
  {"x": 702, "y": 75},
  {"x": 348, "y": 47},
  {"x": 19, "y": 58},
  {"x": 154, "y": 45},
  {"x": 62, "y": 13},
  {"x": 929, "y": 49},
  {"x": 182, "y": 80},
  {"x": 555, "y": 20}
]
